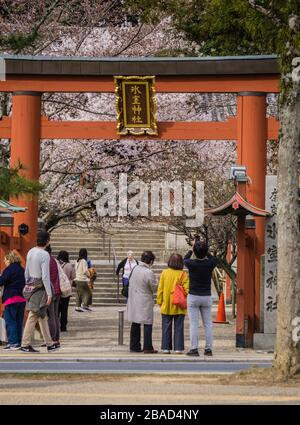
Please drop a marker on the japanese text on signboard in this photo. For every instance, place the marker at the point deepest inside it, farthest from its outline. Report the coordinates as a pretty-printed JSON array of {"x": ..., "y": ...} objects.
[{"x": 135, "y": 105}]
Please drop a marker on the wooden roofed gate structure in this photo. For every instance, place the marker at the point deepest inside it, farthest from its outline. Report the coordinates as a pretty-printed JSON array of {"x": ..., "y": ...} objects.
[{"x": 250, "y": 77}]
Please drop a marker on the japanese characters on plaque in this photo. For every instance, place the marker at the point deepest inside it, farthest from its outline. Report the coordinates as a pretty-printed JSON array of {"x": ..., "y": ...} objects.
[
  {"x": 135, "y": 105},
  {"x": 270, "y": 283}
]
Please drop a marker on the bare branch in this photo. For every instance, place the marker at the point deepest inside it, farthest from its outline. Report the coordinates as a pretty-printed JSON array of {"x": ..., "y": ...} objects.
[
  {"x": 130, "y": 41},
  {"x": 46, "y": 15},
  {"x": 108, "y": 166},
  {"x": 71, "y": 210},
  {"x": 69, "y": 104},
  {"x": 84, "y": 227},
  {"x": 267, "y": 13}
]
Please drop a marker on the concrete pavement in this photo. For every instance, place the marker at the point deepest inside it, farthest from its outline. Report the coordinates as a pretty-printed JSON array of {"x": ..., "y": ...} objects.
[
  {"x": 93, "y": 336},
  {"x": 111, "y": 367}
]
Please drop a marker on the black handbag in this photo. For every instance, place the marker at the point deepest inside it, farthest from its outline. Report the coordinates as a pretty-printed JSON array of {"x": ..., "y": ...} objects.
[{"x": 125, "y": 289}]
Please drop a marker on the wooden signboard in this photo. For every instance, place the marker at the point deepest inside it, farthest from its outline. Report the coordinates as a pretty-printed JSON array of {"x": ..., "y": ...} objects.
[{"x": 135, "y": 105}]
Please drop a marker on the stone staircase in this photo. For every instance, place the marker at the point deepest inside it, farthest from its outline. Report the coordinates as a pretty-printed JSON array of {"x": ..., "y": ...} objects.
[
  {"x": 106, "y": 251},
  {"x": 103, "y": 247}
]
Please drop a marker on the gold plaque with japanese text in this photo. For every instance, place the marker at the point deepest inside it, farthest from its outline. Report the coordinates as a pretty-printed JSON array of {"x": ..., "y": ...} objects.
[{"x": 135, "y": 105}]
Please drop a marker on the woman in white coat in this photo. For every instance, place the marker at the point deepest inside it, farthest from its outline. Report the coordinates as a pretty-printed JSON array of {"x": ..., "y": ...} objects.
[{"x": 139, "y": 310}]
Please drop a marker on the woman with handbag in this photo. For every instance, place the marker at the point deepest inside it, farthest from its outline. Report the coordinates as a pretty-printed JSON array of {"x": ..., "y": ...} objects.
[
  {"x": 126, "y": 265},
  {"x": 171, "y": 296}
]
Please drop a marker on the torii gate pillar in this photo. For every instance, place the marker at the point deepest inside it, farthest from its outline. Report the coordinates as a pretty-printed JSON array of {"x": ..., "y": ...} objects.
[
  {"x": 25, "y": 147},
  {"x": 252, "y": 147}
]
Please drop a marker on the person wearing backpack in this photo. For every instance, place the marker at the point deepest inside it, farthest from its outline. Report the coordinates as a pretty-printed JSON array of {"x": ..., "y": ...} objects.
[
  {"x": 83, "y": 292},
  {"x": 93, "y": 277},
  {"x": 53, "y": 308},
  {"x": 170, "y": 312},
  {"x": 69, "y": 270}
]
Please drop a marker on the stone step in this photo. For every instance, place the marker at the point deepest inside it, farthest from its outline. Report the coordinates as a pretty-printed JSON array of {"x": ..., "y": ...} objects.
[
  {"x": 120, "y": 255},
  {"x": 131, "y": 234},
  {"x": 112, "y": 232},
  {"x": 107, "y": 267},
  {"x": 117, "y": 246},
  {"x": 101, "y": 272},
  {"x": 107, "y": 281},
  {"x": 112, "y": 288},
  {"x": 99, "y": 247},
  {"x": 105, "y": 296},
  {"x": 117, "y": 243},
  {"x": 120, "y": 246},
  {"x": 79, "y": 239},
  {"x": 97, "y": 258},
  {"x": 76, "y": 247},
  {"x": 118, "y": 249}
]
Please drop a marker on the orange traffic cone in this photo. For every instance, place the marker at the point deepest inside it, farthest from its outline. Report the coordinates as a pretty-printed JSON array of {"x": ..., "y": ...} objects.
[{"x": 221, "y": 314}]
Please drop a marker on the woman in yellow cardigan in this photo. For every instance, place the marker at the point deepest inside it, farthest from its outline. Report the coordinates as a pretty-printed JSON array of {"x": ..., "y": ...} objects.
[{"x": 168, "y": 279}]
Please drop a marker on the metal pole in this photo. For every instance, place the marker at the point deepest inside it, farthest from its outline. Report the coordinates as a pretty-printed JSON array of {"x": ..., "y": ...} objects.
[
  {"x": 121, "y": 327},
  {"x": 233, "y": 296},
  {"x": 118, "y": 289},
  {"x": 225, "y": 291},
  {"x": 246, "y": 328}
]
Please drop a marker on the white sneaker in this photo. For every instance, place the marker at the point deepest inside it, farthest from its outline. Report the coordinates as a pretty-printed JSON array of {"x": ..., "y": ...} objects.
[
  {"x": 166, "y": 351},
  {"x": 86, "y": 309},
  {"x": 15, "y": 347}
]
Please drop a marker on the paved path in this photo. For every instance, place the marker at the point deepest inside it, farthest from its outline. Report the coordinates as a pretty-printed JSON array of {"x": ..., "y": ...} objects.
[
  {"x": 94, "y": 337},
  {"x": 124, "y": 367}
]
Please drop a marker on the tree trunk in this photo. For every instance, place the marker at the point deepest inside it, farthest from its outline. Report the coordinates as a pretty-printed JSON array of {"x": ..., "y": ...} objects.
[
  {"x": 287, "y": 355},
  {"x": 232, "y": 275},
  {"x": 227, "y": 268}
]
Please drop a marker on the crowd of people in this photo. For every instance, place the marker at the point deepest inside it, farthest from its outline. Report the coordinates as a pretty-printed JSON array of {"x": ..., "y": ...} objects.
[
  {"x": 45, "y": 287},
  {"x": 141, "y": 287}
]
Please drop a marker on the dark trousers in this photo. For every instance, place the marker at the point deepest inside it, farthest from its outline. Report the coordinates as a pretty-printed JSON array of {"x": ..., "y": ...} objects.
[
  {"x": 63, "y": 312},
  {"x": 135, "y": 337},
  {"x": 167, "y": 320},
  {"x": 13, "y": 316},
  {"x": 53, "y": 319}
]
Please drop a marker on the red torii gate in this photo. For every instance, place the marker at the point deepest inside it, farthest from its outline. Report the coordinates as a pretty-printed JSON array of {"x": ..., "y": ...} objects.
[{"x": 251, "y": 77}]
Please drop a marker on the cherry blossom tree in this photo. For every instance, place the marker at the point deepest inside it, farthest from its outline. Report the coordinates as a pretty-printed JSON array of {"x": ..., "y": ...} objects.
[{"x": 71, "y": 169}]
